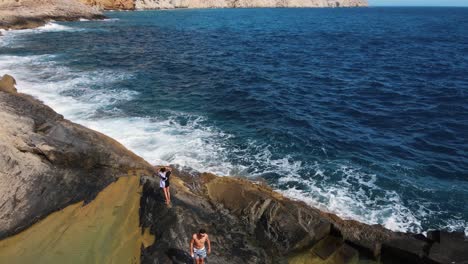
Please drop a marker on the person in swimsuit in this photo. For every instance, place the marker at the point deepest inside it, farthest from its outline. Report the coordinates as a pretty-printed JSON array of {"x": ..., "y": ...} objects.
[
  {"x": 197, "y": 246},
  {"x": 164, "y": 173}
]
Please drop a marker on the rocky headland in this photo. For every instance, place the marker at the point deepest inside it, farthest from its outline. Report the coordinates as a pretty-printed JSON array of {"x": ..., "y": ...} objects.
[
  {"x": 22, "y": 14},
  {"x": 69, "y": 194}
]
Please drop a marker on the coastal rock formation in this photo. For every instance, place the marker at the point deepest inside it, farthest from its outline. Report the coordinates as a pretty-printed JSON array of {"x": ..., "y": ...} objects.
[
  {"x": 250, "y": 223},
  {"x": 167, "y": 4},
  {"x": 70, "y": 194},
  {"x": 170, "y": 4},
  {"x": 111, "y": 4},
  {"x": 48, "y": 162},
  {"x": 21, "y": 14}
]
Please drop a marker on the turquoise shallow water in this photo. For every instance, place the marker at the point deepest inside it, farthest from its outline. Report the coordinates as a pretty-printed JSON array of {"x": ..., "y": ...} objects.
[{"x": 362, "y": 112}]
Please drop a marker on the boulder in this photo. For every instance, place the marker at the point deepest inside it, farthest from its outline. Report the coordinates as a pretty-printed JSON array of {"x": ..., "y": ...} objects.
[{"x": 7, "y": 84}]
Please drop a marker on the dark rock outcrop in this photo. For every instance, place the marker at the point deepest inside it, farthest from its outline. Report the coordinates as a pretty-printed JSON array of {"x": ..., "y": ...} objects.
[{"x": 250, "y": 223}]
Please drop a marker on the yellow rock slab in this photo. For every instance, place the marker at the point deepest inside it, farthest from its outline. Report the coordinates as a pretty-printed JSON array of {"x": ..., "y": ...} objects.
[{"x": 104, "y": 231}]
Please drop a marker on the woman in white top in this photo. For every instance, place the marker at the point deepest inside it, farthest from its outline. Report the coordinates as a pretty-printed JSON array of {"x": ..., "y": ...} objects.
[{"x": 163, "y": 174}]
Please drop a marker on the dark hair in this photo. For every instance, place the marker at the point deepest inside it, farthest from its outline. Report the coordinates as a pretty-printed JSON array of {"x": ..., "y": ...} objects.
[
  {"x": 202, "y": 231},
  {"x": 163, "y": 169}
]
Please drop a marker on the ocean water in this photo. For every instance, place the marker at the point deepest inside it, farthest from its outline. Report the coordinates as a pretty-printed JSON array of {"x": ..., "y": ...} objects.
[{"x": 361, "y": 112}]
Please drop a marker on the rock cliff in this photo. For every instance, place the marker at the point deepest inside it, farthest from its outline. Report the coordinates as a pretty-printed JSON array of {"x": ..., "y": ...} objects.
[
  {"x": 70, "y": 194},
  {"x": 48, "y": 162},
  {"x": 111, "y": 4},
  {"x": 170, "y": 4},
  {"x": 20, "y": 14},
  {"x": 165, "y": 4}
]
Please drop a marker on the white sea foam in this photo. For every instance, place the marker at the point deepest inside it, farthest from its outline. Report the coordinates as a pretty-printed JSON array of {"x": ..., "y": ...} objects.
[
  {"x": 160, "y": 141},
  {"x": 354, "y": 197},
  {"x": 110, "y": 19},
  {"x": 12, "y": 35},
  {"x": 54, "y": 27}
]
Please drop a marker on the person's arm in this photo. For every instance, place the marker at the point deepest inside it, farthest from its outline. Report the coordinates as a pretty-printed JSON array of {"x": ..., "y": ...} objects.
[
  {"x": 209, "y": 244},
  {"x": 191, "y": 247},
  {"x": 161, "y": 175}
]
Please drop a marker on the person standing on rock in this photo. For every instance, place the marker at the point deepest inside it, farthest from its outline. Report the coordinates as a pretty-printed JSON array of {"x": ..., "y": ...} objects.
[
  {"x": 197, "y": 246},
  {"x": 164, "y": 174}
]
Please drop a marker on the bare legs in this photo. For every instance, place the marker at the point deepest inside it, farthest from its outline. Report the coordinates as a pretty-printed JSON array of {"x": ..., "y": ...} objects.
[
  {"x": 199, "y": 261},
  {"x": 167, "y": 195}
]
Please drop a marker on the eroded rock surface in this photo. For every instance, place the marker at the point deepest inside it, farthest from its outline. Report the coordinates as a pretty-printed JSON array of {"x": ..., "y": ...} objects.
[
  {"x": 250, "y": 223},
  {"x": 111, "y": 4},
  {"x": 48, "y": 162},
  {"x": 167, "y": 4},
  {"x": 170, "y": 4}
]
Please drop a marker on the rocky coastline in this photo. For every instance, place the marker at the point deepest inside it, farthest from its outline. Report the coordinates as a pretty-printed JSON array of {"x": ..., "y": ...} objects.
[
  {"x": 62, "y": 183},
  {"x": 173, "y": 4}
]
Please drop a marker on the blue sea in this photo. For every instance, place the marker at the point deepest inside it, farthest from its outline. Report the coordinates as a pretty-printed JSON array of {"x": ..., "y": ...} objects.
[{"x": 362, "y": 112}]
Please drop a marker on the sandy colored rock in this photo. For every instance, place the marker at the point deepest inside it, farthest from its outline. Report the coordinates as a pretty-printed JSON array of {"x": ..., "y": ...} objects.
[
  {"x": 21, "y": 14},
  {"x": 107, "y": 230},
  {"x": 111, "y": 4},
  {"x": 7, "y": 84}
]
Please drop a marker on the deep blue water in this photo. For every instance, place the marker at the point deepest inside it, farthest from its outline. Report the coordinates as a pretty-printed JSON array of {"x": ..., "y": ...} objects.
[{"x": 363, "y": 112}]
